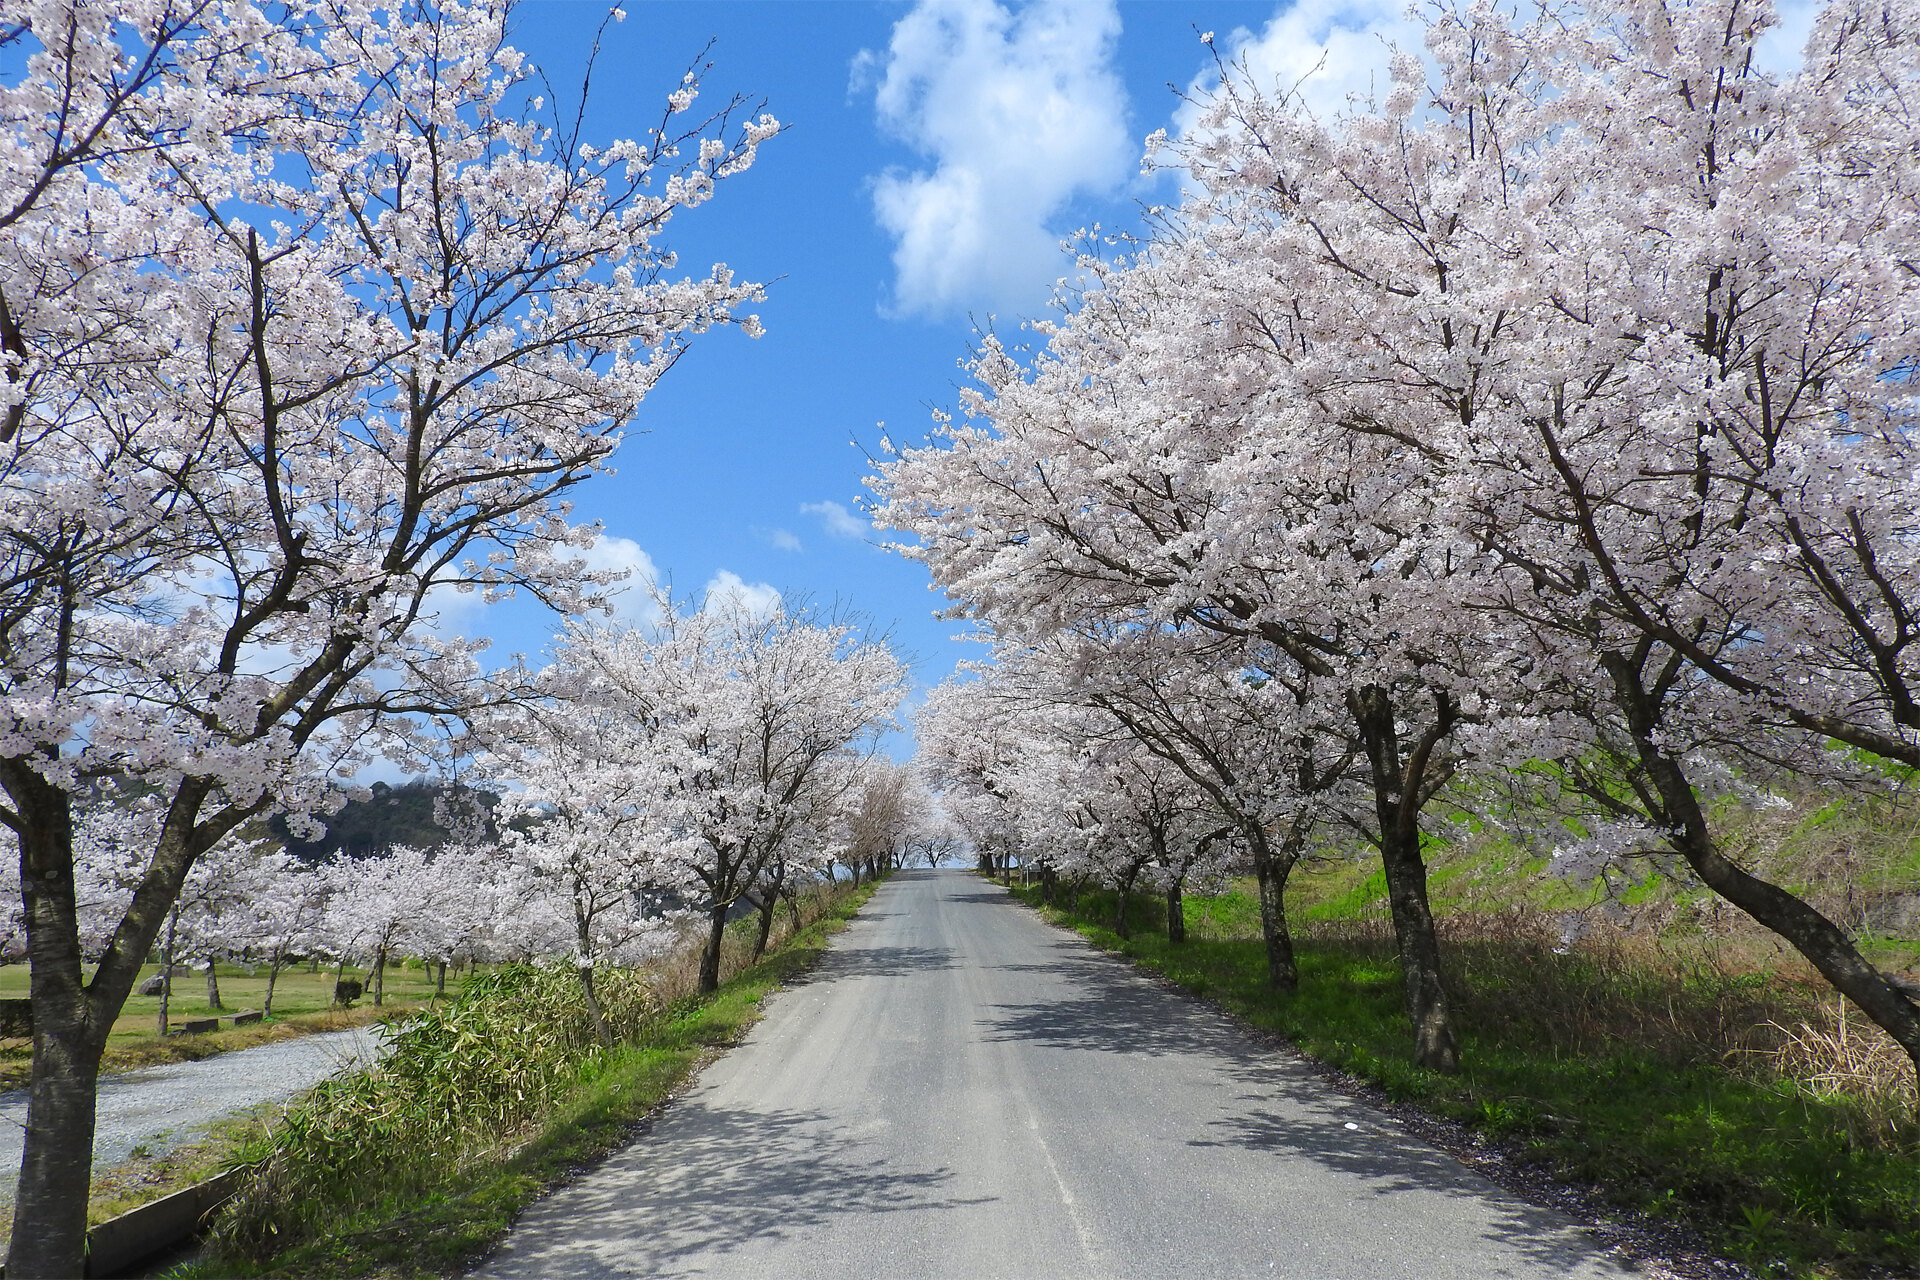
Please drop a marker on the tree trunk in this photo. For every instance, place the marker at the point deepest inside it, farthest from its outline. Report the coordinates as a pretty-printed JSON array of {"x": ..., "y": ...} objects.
[
  {"x": 1400, "y": 789},
  {"x": 765, "y": 930},
  {"x": 587, "y": 993},
  {"x": 1176, "y": 914},
  {"x": 273, "y": 978},
  {"x": 380, "y": 976},
  {"x": 1048, "y": 881},
  {"x": 1434, "y": 1044},
  {"x": 50, "y": 1200},
  {"x": 1824, "y": 944},
  {"x": 72, "y": 1017},
  {"x": 440, "y": 983},
  {"x": 710, "y": 958},
  {"x": 213, "y": 988},
  {"x": 1270, "y": 871},
  {"x": 166, "y": 970}
]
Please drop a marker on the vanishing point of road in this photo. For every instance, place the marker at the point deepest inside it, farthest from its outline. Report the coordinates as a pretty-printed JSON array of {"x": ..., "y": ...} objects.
[{"x": 962, "y": 1090}]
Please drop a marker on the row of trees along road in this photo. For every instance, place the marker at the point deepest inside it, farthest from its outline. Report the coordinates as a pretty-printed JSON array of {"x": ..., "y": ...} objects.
[
  {"x": 1548, "y": 417},
  {"x": 724, "y": 748},
  {"x": 309, "y": 318},
  {"x": 714, "y": 759}
]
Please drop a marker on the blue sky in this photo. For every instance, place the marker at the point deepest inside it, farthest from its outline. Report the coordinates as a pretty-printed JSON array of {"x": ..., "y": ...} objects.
[
  {"x": 744, "y": 460},
  {"x": 936, "y": 153}
]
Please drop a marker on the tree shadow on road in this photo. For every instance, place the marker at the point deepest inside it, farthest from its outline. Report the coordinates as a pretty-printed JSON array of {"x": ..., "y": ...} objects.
[
  {"x": 712, "y": 1181},
  {"x": 992, "y": 897},
  {"x": 1102, "y": 1006},
  {"x": 1382, "y": 1162},
  {"x": 879, "y": 962}
]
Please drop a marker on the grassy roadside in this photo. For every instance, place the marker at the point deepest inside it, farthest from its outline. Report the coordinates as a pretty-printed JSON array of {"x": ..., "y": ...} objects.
[
  {"x": 1591, "y": 1067},
  {"x": 451, "y": 1206}
]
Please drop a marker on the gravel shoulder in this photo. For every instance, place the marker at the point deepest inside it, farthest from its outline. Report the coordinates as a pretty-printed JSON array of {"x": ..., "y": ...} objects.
[{"x": 161, "y": 1108}]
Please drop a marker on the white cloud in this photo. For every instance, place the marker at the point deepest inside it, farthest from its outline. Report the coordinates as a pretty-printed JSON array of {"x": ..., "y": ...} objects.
[
  {"x": 1019, "y": 111},
  {"x": 727, "y": 590},
  {"x": 632, "y": 600},
  {"x": 1333, "y": 52},
  {"x": 784, "y": 541},
  {"x": 1328, "y": 51},
  {"x": 836, "y": 519}
]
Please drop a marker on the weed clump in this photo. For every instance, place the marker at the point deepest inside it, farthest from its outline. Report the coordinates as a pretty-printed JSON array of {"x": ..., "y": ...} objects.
[{"x": 453, "y": 1081}]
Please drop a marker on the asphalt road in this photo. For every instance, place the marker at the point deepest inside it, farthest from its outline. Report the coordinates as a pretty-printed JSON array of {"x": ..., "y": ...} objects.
[
  {"x": 160, "y": 1108},
  {"x": 962, "y": 1090}
]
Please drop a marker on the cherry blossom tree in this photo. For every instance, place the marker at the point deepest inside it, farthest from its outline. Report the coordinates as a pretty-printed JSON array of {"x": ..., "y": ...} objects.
[
  {"x": 936, "y": 840},
  {"x": 1259, "y": 740},
  {"x": 1104, "y": 807},
  {"x": 970, "y": 740},
  {"x": 212, "y": 918},
  {"x": 284, "y": 910},
  {"x": 340, "y": 326},
  {"x": 1152, "y": 467},
  {"x": 1584, "y": 360},
  {"x": 822, "y": 834},
  {"x": 741, "y": 725},
  {"x": 888, "y": 804},
  {"x": 378, "y": 908},
  {"x": 578, "y": 817},
  {"x": 1688, "y": 460}
]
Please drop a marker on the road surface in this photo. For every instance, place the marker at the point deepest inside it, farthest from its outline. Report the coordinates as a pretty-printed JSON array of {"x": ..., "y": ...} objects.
[
  {"x": 160, "y": 1108},
  {"x": 962, "y": 1090}
]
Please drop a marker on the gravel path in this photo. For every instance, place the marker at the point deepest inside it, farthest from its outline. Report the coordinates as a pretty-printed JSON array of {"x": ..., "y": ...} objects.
[
  {"x": 961, "y": 1090},
  {"x": 165, "y": 1107}
]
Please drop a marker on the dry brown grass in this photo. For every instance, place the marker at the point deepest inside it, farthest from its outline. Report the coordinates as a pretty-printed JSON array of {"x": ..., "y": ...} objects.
[
  {"x": 676, "y": 975},
  {"x": 1725, "y": 996},
  {"x": 1837, "y": 1055}
]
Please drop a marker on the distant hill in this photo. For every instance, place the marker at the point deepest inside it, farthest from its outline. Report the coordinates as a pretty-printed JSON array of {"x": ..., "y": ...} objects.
[{"x": 392, "y": 815}]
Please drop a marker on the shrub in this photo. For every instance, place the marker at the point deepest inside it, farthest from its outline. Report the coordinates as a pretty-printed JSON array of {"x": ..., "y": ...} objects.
[{"x": 455, "y": 1081}]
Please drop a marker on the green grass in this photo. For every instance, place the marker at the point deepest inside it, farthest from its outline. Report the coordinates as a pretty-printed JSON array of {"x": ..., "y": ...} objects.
[
  {"x": 1589, "y": 1064},
  {"x": 446, "y": 1212}
]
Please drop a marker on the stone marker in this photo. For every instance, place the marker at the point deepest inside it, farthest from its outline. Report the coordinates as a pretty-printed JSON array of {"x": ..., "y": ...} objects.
[{"x": 152, "y": 986}]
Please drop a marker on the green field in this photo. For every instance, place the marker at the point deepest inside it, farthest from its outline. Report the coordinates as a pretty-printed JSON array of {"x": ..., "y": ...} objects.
[{"x": 302, "y": 1003}]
